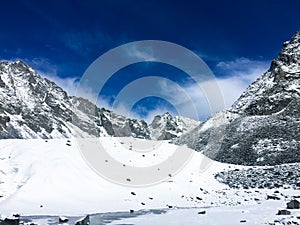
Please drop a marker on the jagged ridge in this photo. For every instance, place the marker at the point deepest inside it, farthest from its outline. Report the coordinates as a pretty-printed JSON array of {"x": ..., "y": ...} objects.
[
  {"x": 34, "y": 107},
  {"x": 262, "y": 127}
]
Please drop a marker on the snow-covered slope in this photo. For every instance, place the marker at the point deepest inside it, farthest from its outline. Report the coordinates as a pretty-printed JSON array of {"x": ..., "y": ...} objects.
[
  {"x": 53, "y": 175},
  {"x": 263, "y": 125},
  {"x": 50, "y": 177},
  {"x": 166, "y": 127},
  {"x": 34, "y": 107}
]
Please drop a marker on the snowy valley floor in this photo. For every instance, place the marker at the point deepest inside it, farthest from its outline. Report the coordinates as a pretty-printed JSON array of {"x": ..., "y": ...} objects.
[{"x": 39, "y": 177}]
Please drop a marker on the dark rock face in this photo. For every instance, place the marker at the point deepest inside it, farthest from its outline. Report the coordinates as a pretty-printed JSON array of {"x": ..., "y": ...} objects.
[
  {"x": 63, "y": 219},
  {"x": 83, "y": 221},
  {"x": 272, "y": 197},
  {"x": 10, "y": 221},
  {"x": 263, "y": 140},
  {"x": 3, "y": 121},
  {"x": 166, "y": 127},
  {"x": 294, "y": 204},
  {"x": 280, "y": 176},
  {"x": 262, "y": 126},
  {"x": 283, "y": 212}
]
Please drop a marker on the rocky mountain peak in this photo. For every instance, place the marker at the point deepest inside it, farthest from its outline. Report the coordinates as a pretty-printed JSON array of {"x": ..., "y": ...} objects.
[
  {"x": 289, "y": 57},
  {"x": 35, "y": 107},
  {"x": 287, "y": 63},
  {"x": 276, "y": 88},
  {"x": 262, "y": 126},
  {"x": 165, "y": 127}
]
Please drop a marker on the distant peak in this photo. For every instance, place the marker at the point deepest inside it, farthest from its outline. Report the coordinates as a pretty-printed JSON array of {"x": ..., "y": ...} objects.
[
  {"x": 288, "y": 60},
  {"x": 21, "y": 63},
  {"x": 297, "y": 33},
  {"x": 294, "y": 42},
  {"x": 167, "y": 114},
  {"x": 18, "y": 63}
]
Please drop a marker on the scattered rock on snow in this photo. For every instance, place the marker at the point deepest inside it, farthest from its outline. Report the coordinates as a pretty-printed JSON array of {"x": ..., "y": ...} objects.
[
  {"x": 83, "y": 221},
  {"x": 272, "y": 197},
  {"x": 283, "y": 212},
  {"x": 63, "y": 219},
  {"x": 271, "y": 177},
  {"x": 293, "y": 204}
]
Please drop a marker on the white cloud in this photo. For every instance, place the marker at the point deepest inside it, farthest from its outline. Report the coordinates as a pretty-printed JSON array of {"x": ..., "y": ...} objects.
[
  {"x": 244, "y": 68},
  {"x": 69, "y": 84},
  {"x": 47, "y": 69},
  {"x": 151, "y": 114},
  {"x": 144, "y": 54},
  {"x": 233, "y": 78},
  {"x": 140, "y": 112},
  {"x": 237, "y": 76}
]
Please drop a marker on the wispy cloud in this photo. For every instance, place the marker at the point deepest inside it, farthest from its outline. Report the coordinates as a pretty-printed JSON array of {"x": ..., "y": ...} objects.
[
  {"x": 244, "y": 68},
  {"x": 207, "y": 57},
  {"x": 144, "y": 54},
  {"x": 150, "y": 114},
  {"x": 69, "y": 84},
  {"x": 48, "y": 70},
  {"x": 234, "y": 77},
  {"x": 237, "y": 76},
  {"x": 141, "y": 112}
]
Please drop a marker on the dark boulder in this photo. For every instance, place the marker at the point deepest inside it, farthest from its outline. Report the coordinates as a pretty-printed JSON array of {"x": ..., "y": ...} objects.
[
  {"x": 272, "y": 197},
  {"x": 83, "y": 221},
  {"x": 10, "y": 221},
  {"x": 294, "y": 204},
  {"x": 283, "y": 212},
  {"x": 63, "y": 219}
]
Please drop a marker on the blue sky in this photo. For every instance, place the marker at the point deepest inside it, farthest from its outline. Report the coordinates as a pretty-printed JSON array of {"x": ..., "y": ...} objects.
[{"x": 60, "y": 39}]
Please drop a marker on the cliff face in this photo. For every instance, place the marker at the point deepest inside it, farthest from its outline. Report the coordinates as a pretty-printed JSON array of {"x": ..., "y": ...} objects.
[
  {"x": 262, "y": 127},
  {"x": 34, "y": 107}
]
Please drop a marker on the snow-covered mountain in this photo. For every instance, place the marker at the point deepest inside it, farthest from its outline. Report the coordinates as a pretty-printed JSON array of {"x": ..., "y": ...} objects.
[
  {"x": 34, "y": 107},
  {"x": 263, "y": 125},
  {"x": 166, "y": 127}
]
